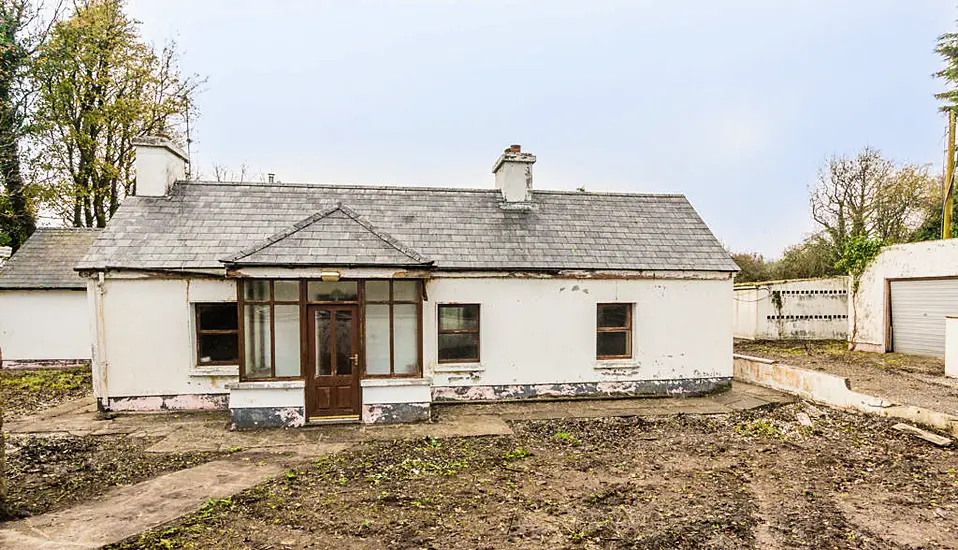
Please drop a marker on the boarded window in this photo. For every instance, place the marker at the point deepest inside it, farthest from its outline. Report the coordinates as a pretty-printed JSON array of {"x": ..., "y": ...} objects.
[
  {"x": 613, "y": 331},
  {"x": 459, "y": 333},
  {"x": 217, "y": 340}
]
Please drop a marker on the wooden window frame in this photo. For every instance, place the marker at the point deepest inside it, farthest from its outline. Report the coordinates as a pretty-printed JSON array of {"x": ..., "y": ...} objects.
[
  {"x": 627, "y": 329},
  {"x": 477, "y": 332},
  {"x": 197, "y": 306},
  {"x": 242, "y": 302},
  {"x": 390, "y": 302}
]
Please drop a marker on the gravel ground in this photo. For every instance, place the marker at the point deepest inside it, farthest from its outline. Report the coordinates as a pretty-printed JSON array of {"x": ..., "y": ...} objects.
[
  {"x": 905, "y": 379},
  {"x": 752, "y": 479}
]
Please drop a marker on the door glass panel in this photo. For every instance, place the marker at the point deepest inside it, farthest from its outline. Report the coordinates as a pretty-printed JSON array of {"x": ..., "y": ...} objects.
[
  {"x": 257, "y": 339},
  {"x": 405, "y": 291},
  {"x": 286, "y": 291},
  {"x": 287, "y": 339},
  {"x": 256, "y": 290},
  {"x": 377, "y": 291},
  {"x": 406, "y": 338},
  {"x": 377, "y": 339},
  {"x": 344, "y": 343},
  {"x": 330, "y": 291},
  {"x": 323, "y": 343}
]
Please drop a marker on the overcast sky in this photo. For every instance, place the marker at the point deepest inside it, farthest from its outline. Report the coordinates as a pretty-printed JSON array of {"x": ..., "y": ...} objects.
[{"x": 734, "y": 103}]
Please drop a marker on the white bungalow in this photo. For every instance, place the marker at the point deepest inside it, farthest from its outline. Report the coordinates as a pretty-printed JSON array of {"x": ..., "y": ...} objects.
[{"x": 294, "y": 303}]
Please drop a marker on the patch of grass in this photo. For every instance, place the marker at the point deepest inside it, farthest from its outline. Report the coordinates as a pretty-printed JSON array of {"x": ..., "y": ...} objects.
[
  {"x": 760, "y": 427},
  {"x": 517, "y": 454},
  {"x": 50, "y": 380},
  {"x": 567, "y": 437}
]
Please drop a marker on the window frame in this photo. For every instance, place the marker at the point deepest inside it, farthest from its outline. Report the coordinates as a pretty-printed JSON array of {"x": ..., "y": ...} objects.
[
  {"x": 391, "y": 302},
  {"x": 242, "y": 302},
  {"x": 627, "y": 329},
  {"x": 477, "y": 332},
  {"x": 199, "y": 331}
]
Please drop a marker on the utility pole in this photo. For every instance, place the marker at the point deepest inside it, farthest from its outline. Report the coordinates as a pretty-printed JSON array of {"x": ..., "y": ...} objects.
[{"x": 949, "y": 177}]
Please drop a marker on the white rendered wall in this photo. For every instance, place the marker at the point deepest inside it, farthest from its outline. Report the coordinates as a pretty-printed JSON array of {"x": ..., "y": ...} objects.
[
  {"x": 813, "y": 309},
  {"x": 44, "y": 325},
  {"x": 867, "y": 313},
  {"x": 542, "y": 331},
  {"x": 149, "y": 337}
]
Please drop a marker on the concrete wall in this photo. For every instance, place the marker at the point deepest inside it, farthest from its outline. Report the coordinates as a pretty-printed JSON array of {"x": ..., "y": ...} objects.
[
  {"x": 145, "y": 346},
  {"x": 44, "y": 325},
  {"x": 867, "y": 313},
  {"x": 811, "y": 309},
  {"x": 542, "y": 331}
]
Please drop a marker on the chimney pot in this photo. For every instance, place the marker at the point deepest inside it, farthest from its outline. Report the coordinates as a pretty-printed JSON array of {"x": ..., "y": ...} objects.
[
  {"x": 272, "y": 177},
  {"x": 514, "y": 148}
]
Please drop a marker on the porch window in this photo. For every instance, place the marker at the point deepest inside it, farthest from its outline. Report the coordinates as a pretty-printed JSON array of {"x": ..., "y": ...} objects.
[
  {"x": 613, "y": 331},
  {"x": 393, "y": 313},
  {"x": 271, "y": 328},
  {"x": 217, "y": 334},
  {"x": 459, "y": 333}
]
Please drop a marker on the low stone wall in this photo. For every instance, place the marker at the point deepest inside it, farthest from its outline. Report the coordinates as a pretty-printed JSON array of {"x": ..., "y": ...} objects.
[{"x": 833, "y": 390}]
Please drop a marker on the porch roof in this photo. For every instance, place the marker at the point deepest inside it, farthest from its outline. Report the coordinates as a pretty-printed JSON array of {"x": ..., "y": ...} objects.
[{"x": 203, "y": 225}]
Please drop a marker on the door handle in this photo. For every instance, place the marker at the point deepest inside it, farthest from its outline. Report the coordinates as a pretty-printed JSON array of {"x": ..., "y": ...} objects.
[{"x": 356, "y": 360}]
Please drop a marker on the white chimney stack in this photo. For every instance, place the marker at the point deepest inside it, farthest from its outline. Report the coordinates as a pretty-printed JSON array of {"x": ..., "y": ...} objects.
[
  {"x": 159, "y": 163},
  {"x": 513, "y": 173}
]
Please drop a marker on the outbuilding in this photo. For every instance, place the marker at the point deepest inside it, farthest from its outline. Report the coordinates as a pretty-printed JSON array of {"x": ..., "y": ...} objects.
[
  {"x": 43, "y": 303},
  {"x": 300, "y": 303},
  {"x": 904, "y": 297}
]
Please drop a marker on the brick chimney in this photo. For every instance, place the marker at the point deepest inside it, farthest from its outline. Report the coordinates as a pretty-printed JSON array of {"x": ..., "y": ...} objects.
[
  {"x": 159, "y": 163},
  {"x": 513, "y": 173}
]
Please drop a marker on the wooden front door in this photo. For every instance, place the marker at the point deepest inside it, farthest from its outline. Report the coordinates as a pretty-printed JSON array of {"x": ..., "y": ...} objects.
[{"x": 332, "y": 377}]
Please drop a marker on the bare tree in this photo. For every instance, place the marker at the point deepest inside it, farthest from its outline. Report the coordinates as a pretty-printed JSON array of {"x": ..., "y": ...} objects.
[
  {"x": 223, "y": 174},
  {"x": 868, "y": 196}
]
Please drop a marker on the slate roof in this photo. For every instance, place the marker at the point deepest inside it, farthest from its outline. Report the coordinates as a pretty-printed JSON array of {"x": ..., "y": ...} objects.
[
  {"x": 335, "y": 236},
  {"x": 201, "y": 224},
  {"x": 47, "y": 260}
]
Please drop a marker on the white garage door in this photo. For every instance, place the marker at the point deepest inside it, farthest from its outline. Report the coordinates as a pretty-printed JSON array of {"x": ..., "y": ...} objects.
[{"x": 918, "y": 310}]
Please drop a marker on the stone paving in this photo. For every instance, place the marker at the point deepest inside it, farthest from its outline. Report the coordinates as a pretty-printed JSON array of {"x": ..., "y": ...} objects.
[{"x": 126, "y": 511}]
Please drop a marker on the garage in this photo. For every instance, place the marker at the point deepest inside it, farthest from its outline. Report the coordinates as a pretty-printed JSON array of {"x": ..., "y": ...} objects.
[{"x": 918, "y": 310}]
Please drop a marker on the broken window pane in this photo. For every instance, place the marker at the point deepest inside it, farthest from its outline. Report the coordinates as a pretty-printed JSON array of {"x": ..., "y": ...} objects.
[
  {"x": 257, "y": 341},
  {"x": 610, "y": 344}
]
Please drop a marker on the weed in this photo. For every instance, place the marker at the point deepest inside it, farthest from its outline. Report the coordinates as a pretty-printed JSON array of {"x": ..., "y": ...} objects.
[
  {"x": 567, "y": 437},
  {"x": 516, "y": 454},
  {"x": 758, "y": 428}
]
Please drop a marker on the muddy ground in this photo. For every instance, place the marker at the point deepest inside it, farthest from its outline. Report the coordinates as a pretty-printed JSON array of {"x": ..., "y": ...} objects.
[
  {"x": 753, "y": 479},
  {"x": 57, "y": 471},
  {"x": 29, "y": 391},
  {"x": 905, "y": 379}
]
